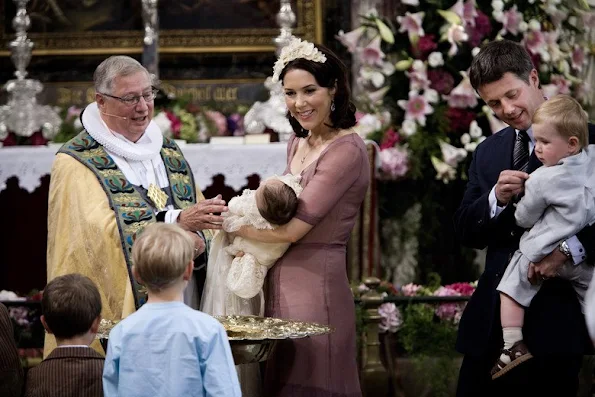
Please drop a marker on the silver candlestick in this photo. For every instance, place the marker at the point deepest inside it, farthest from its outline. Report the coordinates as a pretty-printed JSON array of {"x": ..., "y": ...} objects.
[
  {"x": 151, "y": 39},
  {"x": 22, "y": 114},
  {"x": 272, "y": 113},
  {"x": 150, "y": 21},
  {"x": 286, "y": 20}
]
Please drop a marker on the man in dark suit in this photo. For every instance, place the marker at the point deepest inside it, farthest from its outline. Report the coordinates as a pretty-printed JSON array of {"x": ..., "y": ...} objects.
[
  {"x": 71, "y": 308},
  {"x": 554, "y": 331},
  {"x": 11, "y": 371}
]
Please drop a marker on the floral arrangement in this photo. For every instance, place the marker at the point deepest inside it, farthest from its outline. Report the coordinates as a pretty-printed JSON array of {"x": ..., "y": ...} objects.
[
  {"x": 416, "y": 102},
  {"x": 448, "y": 312},
  {"x": 423, "y": 332},
  {"x": 178, "y": 118},
  {"x": 28, "y": 330},
  {"x": 71, "y": 124},
  {"x": 413, "y": 83}
]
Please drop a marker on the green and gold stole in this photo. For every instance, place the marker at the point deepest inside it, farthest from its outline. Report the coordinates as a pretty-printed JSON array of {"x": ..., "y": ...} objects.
[{"x": 133, "y": 212}]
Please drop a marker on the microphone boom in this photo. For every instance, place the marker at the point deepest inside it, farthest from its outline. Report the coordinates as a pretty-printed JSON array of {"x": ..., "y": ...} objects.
[{"x": 114, "y": 115}]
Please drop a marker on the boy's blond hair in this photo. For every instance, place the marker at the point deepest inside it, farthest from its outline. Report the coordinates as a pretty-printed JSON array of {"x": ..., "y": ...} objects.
[
  {"x": 567, "y": 117},
  {"x": 161, "y": 254}
]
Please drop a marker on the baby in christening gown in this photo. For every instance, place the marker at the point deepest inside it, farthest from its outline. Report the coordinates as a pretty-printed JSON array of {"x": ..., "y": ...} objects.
[{"x": 234, "y": 284}]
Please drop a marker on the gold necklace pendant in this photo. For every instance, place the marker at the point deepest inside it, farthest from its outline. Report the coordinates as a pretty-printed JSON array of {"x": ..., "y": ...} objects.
[{"x": 308, "y": 147}]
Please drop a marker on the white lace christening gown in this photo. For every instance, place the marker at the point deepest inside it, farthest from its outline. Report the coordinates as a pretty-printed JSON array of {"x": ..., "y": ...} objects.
[{"x": 234, "y": 285}]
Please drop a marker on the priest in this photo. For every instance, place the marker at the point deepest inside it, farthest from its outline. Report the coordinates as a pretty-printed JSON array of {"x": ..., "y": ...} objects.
[{"x": 113, "y": 179}]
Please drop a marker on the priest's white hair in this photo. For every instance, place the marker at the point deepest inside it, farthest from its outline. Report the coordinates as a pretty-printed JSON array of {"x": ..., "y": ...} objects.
[{"x": 112, "y": 67}]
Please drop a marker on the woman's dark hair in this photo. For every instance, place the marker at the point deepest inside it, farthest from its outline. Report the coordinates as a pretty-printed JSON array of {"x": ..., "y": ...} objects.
[
  {"x": 330, "y": 74},
  {"x": 279, "y": 204}
]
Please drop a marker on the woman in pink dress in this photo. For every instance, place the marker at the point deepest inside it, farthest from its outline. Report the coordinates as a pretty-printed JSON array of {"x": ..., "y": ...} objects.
[{"x": 309, "y": 282}]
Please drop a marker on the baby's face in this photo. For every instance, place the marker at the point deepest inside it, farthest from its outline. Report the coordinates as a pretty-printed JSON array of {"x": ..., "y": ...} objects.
[
  {"x": 259, "y": 192},
  {"x": 550, "y": 146}
]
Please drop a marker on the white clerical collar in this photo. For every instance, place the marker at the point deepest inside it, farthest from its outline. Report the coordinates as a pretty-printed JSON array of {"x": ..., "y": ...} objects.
[
  {"x": 146, "y": 148},
  {"x": 143, "y": 139}
]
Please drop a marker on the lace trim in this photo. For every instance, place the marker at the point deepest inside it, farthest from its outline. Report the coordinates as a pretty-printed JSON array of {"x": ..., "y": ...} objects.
[
  {"x": 293, "y": 181},
  {"x": 246, "y": 276}
]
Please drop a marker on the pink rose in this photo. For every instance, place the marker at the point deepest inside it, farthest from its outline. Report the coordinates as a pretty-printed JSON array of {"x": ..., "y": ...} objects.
[
  {"x": 219, "y": 120},
  {"x": 410, "y": 289},
  {"x": 394, "y": 162},
  {"x": 176, "y": 123},
  {"x": 391, "y": 138},
  {"x": 425, "y": 46},
  {"x": 460, "y": 119},
  {"x": 482, "y": 28},
  {"x": 441, "y": 81},
  {"x": 37, "y": 139},
  {"x": 464, "y": 289}
]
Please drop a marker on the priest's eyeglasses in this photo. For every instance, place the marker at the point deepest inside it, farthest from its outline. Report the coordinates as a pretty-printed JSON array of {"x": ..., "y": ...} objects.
[{"x": 133, "y": 100}]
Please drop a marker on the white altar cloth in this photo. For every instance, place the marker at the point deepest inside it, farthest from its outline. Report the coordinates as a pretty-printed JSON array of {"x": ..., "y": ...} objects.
[{"x": 235, "y": 162}]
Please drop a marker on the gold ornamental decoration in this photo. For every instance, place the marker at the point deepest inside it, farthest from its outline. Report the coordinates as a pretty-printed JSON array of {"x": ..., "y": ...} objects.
[
  {"x": 252, "y": 339},
  {"x": 103, "y": 27},
  {"x": 260, "y": 328},
  {"x": 105, "y": 326},
  {"x": 157, "y": 196},
  {"x": 251, "y": 328}
]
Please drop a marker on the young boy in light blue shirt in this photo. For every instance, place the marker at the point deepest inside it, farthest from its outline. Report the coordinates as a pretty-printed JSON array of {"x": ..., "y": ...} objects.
[{"x": 166, "y": 348}]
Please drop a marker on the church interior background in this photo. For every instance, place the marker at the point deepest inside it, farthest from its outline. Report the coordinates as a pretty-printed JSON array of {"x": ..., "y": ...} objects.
[{"x": 211, "y": 60}]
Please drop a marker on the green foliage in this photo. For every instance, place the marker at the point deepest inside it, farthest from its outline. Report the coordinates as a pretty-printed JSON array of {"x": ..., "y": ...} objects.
[
  {"x": 188, "y": 128},
  {"x": 425, "y": 334},
  {"x": 430, "y": 342},
  {"x": 68, "y": 129}
]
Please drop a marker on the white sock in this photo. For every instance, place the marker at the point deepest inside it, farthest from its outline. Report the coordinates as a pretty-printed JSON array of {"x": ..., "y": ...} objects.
[{"x": 511, "y": 335}]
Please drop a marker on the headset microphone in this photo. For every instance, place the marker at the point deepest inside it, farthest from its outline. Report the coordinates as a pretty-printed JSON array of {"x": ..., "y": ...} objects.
[{"x": 114, "y": 115}]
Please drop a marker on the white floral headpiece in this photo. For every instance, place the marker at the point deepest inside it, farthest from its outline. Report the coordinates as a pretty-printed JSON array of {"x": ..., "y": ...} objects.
[{"x": 294, "y": 50}]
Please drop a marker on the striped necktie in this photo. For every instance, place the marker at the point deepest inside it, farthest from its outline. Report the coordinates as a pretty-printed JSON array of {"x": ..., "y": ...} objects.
[{"x": 520, "y": 155}]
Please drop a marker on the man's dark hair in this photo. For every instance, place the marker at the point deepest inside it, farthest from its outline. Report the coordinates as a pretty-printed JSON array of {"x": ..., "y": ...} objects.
[
  {"x": 279, "y": 204},
  {"x": 70, "y": 304},
  {"x": 497, "y": 58}
]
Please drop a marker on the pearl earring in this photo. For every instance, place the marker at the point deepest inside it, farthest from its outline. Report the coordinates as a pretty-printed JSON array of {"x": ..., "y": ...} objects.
[{"x": 332, "y": 106}]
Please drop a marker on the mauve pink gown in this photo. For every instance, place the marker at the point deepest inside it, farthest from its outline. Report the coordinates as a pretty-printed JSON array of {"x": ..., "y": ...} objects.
[{"x": 309, "y": 282}]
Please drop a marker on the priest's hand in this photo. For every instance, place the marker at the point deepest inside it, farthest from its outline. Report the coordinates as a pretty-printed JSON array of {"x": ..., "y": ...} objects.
[
  {"x": 200, "y": 215},
  {"x": 199, "y": 244}
]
